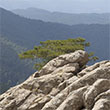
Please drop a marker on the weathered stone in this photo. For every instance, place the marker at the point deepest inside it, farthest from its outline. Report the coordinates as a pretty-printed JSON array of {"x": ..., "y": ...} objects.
[
  {"x": 94, "y": 90},
  {"x": 79, "y": 57},
  {"x": 65, "y": 83}
]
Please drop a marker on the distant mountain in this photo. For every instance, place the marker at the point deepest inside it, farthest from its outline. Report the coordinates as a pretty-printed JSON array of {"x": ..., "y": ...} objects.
[
  {"x": 27, "y": 33},
  {"x": 65, "y": 18}
]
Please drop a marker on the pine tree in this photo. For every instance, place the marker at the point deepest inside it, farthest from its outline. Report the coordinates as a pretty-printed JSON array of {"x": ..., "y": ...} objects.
[{"x": 50, "y": 49}]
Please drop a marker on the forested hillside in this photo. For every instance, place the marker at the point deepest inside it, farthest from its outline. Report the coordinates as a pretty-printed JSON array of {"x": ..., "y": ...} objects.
[
  {"x": 65, "y": 18},
  {"x": 12, "y": 69}
]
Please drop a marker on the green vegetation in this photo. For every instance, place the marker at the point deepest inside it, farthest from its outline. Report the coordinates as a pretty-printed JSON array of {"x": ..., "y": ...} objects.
[{"x": 50, "y": 49}]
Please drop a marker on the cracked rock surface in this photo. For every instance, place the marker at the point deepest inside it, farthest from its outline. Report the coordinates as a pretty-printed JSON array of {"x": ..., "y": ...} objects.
[{"x": 64, "y": 83}]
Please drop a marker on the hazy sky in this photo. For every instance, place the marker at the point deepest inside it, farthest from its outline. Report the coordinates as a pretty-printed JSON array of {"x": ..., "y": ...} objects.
[{"x": 71, "y": 6}]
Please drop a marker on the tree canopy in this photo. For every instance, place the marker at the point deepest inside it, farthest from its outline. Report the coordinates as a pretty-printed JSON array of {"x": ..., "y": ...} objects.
[{"x": 47, "y": 50}]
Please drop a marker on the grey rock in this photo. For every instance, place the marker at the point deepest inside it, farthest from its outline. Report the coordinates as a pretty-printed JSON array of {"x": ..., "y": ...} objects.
[{"x": 64, "y": 83}]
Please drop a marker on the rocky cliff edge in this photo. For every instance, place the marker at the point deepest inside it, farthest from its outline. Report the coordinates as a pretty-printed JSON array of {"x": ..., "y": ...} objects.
[{"x": 65, "y": 83}]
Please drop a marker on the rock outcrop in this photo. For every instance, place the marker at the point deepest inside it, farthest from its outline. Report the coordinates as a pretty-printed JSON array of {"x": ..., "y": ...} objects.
[{"x": 64, "y": 83}]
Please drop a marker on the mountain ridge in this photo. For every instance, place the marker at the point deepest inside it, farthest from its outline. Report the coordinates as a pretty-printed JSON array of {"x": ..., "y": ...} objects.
[{"x": 64, "y": 18}]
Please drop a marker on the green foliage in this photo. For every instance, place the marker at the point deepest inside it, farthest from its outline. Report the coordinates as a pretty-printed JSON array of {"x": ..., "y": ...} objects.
[
  {"x": 92, "y": 57},
  {"x": 50, "y": 49}
]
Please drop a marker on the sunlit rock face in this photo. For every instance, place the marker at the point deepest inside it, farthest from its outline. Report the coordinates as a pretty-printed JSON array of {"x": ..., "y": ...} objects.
[{"x": 64, "y": 83}]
